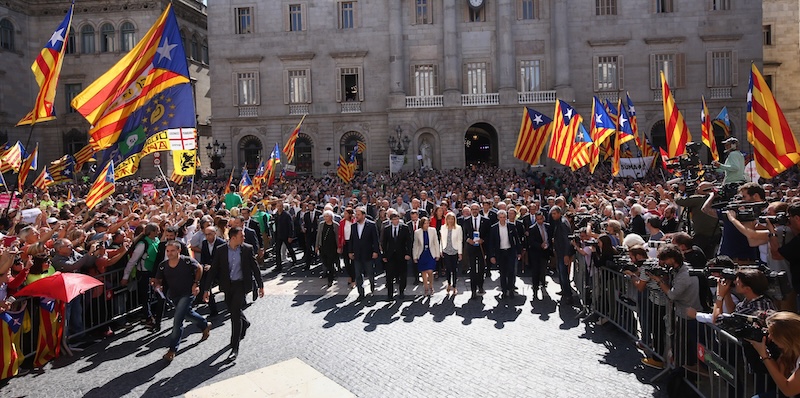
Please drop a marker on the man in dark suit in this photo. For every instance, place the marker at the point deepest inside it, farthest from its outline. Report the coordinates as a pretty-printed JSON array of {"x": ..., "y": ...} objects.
[
  {"x": 476, "y": 230},
  {"x": 489, "y": 211},
  {"x": 363, "y": 248},
  {"x": 207, "y": 249},
  {"x": 251, "y": 223},
  {"x": 284, "y": 235},
  {"x": 561, "y": 246},
  {"x": 234, "y": 266},
  {"x": 425, "y": 203},
  {"x": 311, "y": 220},
  {"x": 504, "y": 250},
  {"x": 539, "y": 252},
  {"x": 396, "y": 243}
]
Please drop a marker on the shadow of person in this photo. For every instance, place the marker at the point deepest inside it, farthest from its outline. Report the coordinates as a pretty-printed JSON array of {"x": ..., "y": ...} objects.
[
  {"x": 346, "y": 313},
  {"x": 443, "y": 309},
  {"x": 381, "y": 316},
  {"x": 543, "y": 307},
  {"x": 418, "y": 308},
  {"x": 126, "y": 382},
  {"x": 568, "y": 315},
  {"x": 472, "y": 309},
  {"x": 190, "y": 377},
  {"x": 505, "y": 311},
  {"x": 328, "y": 303}
]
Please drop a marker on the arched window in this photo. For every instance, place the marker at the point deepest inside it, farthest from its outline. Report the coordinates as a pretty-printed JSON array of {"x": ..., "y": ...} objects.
[
  {"x": 127, "y": 36},
  {"x": 107, "y": 39},
  {"x": 195, "y": 50},
  {"x": 658, "y": 135},
  {"x": 350, "y": 148},
  {"x": 250, "y": 152},
  {"x": 74, "y": 141},
  {"x": 303, "y": 151},
  {"x": 204, "y": 52},
  {"x": 6, "y": 34},
  {"x": 72, "y": 45},
  {"x": 87, "y": 39},
  {"x": 185, "y": 43}
]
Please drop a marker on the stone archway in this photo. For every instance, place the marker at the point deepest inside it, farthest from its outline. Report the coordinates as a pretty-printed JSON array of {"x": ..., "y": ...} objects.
[
  {"x": 250, "y": 152},
  {"x": 480, "y": 145},
  {"x": 353, "y": 146},
  {"x": 304, "y": 154}
]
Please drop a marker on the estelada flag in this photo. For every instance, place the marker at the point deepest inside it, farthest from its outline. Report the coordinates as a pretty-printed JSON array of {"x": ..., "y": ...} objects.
[
  {"x": 11, "y": 324},
  {"x": 533, "y": 134},
  {"x": 103, "y": 187},
  {"x": 51, "y": 328}
]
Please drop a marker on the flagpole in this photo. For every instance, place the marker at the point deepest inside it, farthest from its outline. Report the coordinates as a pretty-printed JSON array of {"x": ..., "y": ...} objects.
[
  {"x": 4, "y": 183},
  {"x": 168, "y": 186},
  {"x": 30, "y": 133},
  {"x": 191, "y": 188}
]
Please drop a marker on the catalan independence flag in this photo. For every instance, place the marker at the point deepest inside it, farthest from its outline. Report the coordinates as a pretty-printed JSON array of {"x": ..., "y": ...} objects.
[
  {"x": 47, "y": 68},
  {"x": 158, "y": 62},
  {"x": 228, "y": 184},
  {"x": 565, "y": 129},
  {"x": 533, "y": 134},
  {"x": 102, "y": 188},
  {"x": 44, "y": 180},
  {"x": 677, "y": 131},
  {"x": 582, "y": 151},
  {"x": 343, "y": 170},
  {"x": 12, "y": 159},
  {"x": 274, "y": 159},
  {"x": 624, "y": 125},
  {"x": 10, "y": 348},
  {"x": 246, "y": 188},
  {"x": 84, "y": 156},
  {"x": 707, "y": 131},
  {"x": 288, "y": 149},
  {"x": 62, "y": 170},
  {"x": 602, "y": 128},
  {"x": 27, "y": 166},
  {"x": 70, "y": 196},
  {"x": 260, "y": 176},
  {"x": 775, "y": 147},
  {"x": 51, "y": 328}
]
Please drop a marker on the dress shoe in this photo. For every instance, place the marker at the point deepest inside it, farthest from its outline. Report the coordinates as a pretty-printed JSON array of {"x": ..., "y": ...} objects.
[
  {"x": 330, "y": 284},
  {"x": 232, "y": 356},
  {"x": 481, "y": 291},
  {"x": 511, "y": 294},
  {"x": 169, "y": 356},
  {"x": 244, "y": 330},
  {"x": 389, "y": 298},
  {"x": 206, "y": 333},
  {"x": 402, "y": 296}
]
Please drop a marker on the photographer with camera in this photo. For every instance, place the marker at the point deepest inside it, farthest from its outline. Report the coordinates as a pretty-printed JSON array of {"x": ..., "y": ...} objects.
[
  {"x": 734, "y": 244},
  {"x": 652, "y": 307},
  {"x": 791, "y": 250},
  {"x": 734, "y": 163},
  {"x": 751, "y": 285},
  {"x": 704, "y": 226},
  {"x": 783, "y": 330}
]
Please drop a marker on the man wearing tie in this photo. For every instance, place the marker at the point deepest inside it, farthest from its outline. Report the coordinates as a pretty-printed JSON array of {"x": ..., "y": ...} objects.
[
  {"x": 424, "y": 203},
  {"x": 539, "y": 252},
  {"x": 413, "y": 225},
  {"x": 504, "y": 249},
  {"x": 476, "y": 229},
  {"x": 396, "y": 245},
  {"x": 311, "y": 222},
  {"x": 234, "y": 266},
  {"x": 207, "y": 249},
  {"x": 363, "y": 248}
]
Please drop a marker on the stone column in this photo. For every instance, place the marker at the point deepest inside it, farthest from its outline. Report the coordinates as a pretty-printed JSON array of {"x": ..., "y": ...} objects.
[
  {"x": 452, "y": 61},
  {"x": 396, "y": 60},
  {"x": 561, "y": 41},
  {"x": 504, "y": 52}
]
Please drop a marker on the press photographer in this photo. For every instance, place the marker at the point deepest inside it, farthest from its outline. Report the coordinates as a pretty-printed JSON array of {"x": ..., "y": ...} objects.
[
  {"x": 704, "y": 226},
  {"x": 652, "y": 306},
  {"x": 734, "y": 163},
  {"x": 734, "y": 244},
  {"x": 749, "y": 285},
  {"x": 791, "y": 250},
  {"x": 784, "y": 330}
]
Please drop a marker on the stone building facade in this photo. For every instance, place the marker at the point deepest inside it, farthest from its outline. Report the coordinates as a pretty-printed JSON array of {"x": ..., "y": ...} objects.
[
  {"x": 781, "y": 38},
  {"x": 454, "y": 75},
  {"x": 102, "y": 32}
]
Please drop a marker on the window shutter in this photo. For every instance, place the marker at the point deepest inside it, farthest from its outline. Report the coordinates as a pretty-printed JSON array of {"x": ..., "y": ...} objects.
[
  {"x": 680, "y": 70},
  {"x": 235, "y": 89},
  {"x": 258, "y": 88},
  {"x": 308, "y": 85},
  {"x": 413, "y": 13},
  {"x": 338, "y": 84},
  {"x": 356, "y": 25},
  {"x": 412, "y": 81},
  {"x": 709, "y": 69},
  {"x": 655, "y": 79},
  {"x": 595, "y": 63},
  {"x": 287, "y": 17},
  {"x": 621, "y": 72},
  {"x": 436, "y": 79},
  {"x": 519, "y": 10},
  {"x": 361, "y": 83},
  {"x": 489, "y": 78},
  {"x": 287, "y": 95},
  {"x": 734, "y": 68},
  {"x": 430, "y": 13},
  {"x": 303, "y": 17}
]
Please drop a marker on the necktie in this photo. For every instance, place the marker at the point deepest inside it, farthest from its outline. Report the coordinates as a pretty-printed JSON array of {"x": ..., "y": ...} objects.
[
  {"x": 475, "y": 221},
  {"x": 395, "y": 232},
  {"x": 543, "y": 233}
]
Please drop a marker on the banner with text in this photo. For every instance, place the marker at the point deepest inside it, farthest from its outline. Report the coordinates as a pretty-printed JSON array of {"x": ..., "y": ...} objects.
[
  {"x": 396, "y": 163},
  {"x": 634, "y": 167}
]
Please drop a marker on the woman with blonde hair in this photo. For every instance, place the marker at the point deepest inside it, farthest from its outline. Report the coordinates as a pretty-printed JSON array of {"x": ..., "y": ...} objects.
[
  {"x": 452, "y": 242},
  {"x": 784, "y": 331},
  {"x": 426, "y": 252}
]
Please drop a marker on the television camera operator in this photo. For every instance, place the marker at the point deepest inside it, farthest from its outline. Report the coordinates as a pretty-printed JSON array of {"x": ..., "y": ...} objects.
[
  {"x": 734, "y": 163},
  {"x": 705, "y": 227},
  {"x": 734, "y": 244},
  {"x": 791, "y": 250}
]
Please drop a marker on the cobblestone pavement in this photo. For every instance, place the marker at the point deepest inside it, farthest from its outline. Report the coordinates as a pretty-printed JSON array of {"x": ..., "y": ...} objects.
[{"x": 437, "y": 347}]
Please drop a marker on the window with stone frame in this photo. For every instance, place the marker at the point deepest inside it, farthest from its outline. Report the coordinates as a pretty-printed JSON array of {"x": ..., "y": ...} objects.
[
  {"x": 674, "y": 67},
  {"x": 299, "y": 86},
  {"x": 71, "y": 90},
  {"x": 605, "y": 7},
  {"x": 6, "y": 34},
  {"x": 477, "y": 78},
  {"x": 425, "y": 80},
  {"x": 87, "y": 39},
  {"x": 348, "y": 14},
  {"x": 107, "y": 38},
  {"x": 349, "y": 87},
  {"x": 608, "y": 73},
  {"x": 423, "y": 12},
  {"x": 528, "y": 9},
  {"x": 247, "y": 89},
  {"x": 296, "y": 18},
  {"x": 530, "y": 75},
  {"x": 127, "y": 34},
  {"x": 720, "y": 5},
  {"x": 663, "y": 6},
  {"x": 722, "y": 68},
  {"x": 244, "y": 20}
]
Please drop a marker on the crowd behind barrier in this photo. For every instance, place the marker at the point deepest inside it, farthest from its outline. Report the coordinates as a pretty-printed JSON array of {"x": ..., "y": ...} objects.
[{"x": 576, "y": 228}]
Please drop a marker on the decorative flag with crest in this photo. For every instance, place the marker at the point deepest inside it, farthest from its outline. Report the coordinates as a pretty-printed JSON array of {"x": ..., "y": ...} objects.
[
  {"x": 288, "y": 149},
  {"x": 707, "y": 132},
  {"x": 46, "y": 69},
  {"x": 102, "y": 188},
  {"x": 533, "y": 134},
  {"x": 157, "y": 63},
  {"x": 184, "y": 162},
  {"x": 775, "y": 147},
  {"x": 674, "y": 123}
]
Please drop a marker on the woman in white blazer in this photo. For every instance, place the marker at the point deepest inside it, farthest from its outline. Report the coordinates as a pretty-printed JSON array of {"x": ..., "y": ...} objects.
[
  {"x": 452, "y": 249},
  {"x": 426, "y": 251}
]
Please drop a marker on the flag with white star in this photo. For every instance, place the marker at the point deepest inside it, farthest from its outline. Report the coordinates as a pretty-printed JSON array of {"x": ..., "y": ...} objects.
[
  {"x": 47, "y": 68},
  {"x": 157, "y": 63},
  {"x": 566, "y": 122},
  {"x": 533, "y": 134}
]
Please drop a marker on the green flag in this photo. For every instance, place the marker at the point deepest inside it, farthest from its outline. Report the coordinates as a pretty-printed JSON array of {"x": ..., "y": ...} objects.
[{"x": 133, "y": 139}]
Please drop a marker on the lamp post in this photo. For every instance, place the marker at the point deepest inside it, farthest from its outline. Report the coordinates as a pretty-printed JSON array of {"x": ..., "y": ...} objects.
[
  {"x": 399, "y": 144},
  {"x": 216, "y": 152}
]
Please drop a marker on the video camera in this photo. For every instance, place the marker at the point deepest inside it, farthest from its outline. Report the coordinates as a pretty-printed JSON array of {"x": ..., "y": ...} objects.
[
  {"x": 778, "y": 219},
  {"x": 581, "y": 220},
  {"x": 723, "y": 267},
  {"x": 745, "y": 211},
  {"x": 747, "y": 327},
  {"x": 689, "y": 161}
]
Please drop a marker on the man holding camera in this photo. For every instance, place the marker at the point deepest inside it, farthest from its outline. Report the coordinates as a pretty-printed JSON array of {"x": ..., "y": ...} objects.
[
  {"x": 734, "y": 163},
  {"x": 704, "y": 225},
  {"x": 751, "y": 285},
  {"x": 734, "y": 244},
  {"x": 789, "y": 251}
]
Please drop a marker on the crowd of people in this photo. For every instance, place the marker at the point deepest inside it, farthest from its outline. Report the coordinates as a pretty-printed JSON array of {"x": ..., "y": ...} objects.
[{"x": 429, "y": 227}]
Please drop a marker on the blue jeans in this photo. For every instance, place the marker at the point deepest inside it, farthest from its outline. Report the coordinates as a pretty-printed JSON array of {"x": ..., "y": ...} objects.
[
  {"x": 183, "y": 308},
  {"x": 563, "y": 276},
  {"x": 74, "y": 316}
]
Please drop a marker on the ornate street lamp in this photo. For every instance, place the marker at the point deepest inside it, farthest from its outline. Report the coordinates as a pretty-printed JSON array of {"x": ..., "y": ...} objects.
[
  {"x": 216, "y": 152},
  {"x": 399, "y": 144}
]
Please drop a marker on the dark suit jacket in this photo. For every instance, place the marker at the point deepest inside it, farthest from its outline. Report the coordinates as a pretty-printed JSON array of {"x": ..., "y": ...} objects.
[
  {"x": 560, "y": 236},
  {"x": 513, "y": 239},
  {"x": 253, "y": 224},
  {"x": 535, "y": 240},
  {"x": 205, "y": 254},
  {"x": 221, "y": 272},
  {"x": 492, "y": 216},
  {"x": 363, "y": 247},
  {"x": 396, "y": 248},
  {"x": 284, "y": 226},
  {"x": 421, "y": 212},
  {"x": 251, "y": 238},
  {"x": 428, "y": 206},
  {"x": 484, "y": 229},
  {"x": 311, "y": 226}
]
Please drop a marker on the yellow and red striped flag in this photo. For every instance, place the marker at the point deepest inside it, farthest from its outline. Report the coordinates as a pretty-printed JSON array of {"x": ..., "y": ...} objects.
[
  {"x": 157, "y": 63},
  {"x": 27, "y": 166},
  {"x": 582, "y": 150},
  {"x": 11, "y": 330},
  {"x": 602, "y": 127},
  {"x": 84, "y": 156},
  {"x": 43, "y": 180},
  {"x": 47, "y": 68},
  {"x": 565, "y": 129},
  {"x": 707, "y": 131},
  {"x": 51, "y": 329},
  {"x": 246, "y": 185},
  {"x": 677, "y": 130},
  {"x": 615, "y": 159},
  {"x": 176, "y": 178},
  {"x": 533, "y": 134},
  {"x": 288, "y": 149},
  {"x": 12, "y": 159},
  {"x": 343, "y": 170},
  {"x": 228, "y": 184},
  {"x": 103, "y": 187},
  {"x": 361, "y": 146},
  {"x": 775, "y": 147}
]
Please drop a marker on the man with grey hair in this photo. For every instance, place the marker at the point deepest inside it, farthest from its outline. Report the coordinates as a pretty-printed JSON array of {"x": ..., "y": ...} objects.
[
  {"x": 66, "y": 259},
  {"x": 363, "y": 248},
  {"x": 284, "y": 235}
]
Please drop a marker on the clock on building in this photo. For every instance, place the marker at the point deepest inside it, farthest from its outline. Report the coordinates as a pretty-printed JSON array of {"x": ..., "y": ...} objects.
[{"x": 476, "y": 4}]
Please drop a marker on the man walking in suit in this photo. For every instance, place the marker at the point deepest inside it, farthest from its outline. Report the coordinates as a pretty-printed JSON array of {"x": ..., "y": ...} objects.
[
  {"x": 311, "y": 220},
  {"x": 504, "y": 249},
  {"x": 284, "y": 235},
  {"x": 476, "y": 229},
  {"x": 561, "y": 246},
  {"x": 363, "y": 249},
  {"x": 234, "y": 266},
  {"x": 207, "y": 249},
  {"x": 396, "y": 244},
  {"x": 539, "y": 252}
]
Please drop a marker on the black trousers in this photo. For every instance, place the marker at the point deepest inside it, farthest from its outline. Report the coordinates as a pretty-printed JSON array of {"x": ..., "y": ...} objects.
[
  {"x": 234, "y": 299},
  {"x": 278, "y": 258},
  {"x": 477, "y": 267},
  {"x": 396, "y": 271},
  {"x": 537, "y": 263},
  {"x": 506, "y": 259},
  {"x": 310, "y": 255},
  {"x": 329, "y": 261}
]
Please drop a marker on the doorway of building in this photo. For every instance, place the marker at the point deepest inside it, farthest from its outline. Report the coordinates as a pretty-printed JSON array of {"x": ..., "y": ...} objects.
[{"x": 480, "y": 145}]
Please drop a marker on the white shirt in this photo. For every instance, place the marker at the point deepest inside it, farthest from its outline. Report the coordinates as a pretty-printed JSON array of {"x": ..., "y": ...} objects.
[
  {"x": 504, "y": 242},
  {"x": 348, "y": 226},
  {"x": 360, "y": 228}
]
